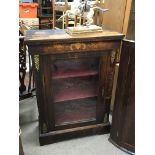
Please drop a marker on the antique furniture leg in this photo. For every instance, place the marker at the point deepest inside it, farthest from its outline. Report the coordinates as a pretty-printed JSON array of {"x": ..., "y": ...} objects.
[
  {"x": 24, "y": 93},
  {"x": 22, "y": 64}
]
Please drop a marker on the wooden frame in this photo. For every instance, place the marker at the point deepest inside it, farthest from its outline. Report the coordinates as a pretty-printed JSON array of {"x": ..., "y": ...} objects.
[{"x": 127, "y": 15}]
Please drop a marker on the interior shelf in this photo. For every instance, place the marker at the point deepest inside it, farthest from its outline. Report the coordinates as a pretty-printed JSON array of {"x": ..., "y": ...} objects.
[
  {"x": 72, "y": 89},
  {"x": 75, "y": 111},
  {"x": 75, "y": 89},
  {"x": 74, "y": 73},
  {"x": 74, "y": 68}
]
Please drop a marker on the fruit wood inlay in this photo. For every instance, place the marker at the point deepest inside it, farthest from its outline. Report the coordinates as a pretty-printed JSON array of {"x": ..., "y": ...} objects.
[{"x": 75, "y": 47}]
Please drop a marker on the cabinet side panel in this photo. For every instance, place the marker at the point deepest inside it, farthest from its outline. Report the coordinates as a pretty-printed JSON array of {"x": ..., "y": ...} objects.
[
  {"x": 123, "y": 122},
  {"x": 128, "y": 111},
  {"x": 47, "y": 90},
  {"x": 104, "y": 95},
  {"x": 43, "y": 120}
]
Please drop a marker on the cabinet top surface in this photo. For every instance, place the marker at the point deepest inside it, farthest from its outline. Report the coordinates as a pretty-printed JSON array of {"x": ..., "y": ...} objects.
[{"x": 38, "y": 36}]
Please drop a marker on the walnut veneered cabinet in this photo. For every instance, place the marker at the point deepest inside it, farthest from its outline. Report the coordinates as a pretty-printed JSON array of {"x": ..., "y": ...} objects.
[
  {"x": 73, "y": 76},
  {"x": 123, "y": 122}
]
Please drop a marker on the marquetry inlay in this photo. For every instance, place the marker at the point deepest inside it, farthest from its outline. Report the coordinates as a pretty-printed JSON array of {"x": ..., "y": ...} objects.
[{"x": 77, "y": 46}]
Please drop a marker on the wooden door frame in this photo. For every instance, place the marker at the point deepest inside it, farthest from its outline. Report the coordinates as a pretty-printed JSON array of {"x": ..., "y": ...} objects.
[{"x": 126, "y": 16}]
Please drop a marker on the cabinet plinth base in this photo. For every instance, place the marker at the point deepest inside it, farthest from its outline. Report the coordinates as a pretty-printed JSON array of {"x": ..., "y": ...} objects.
[{"x": 59, "y": 135}]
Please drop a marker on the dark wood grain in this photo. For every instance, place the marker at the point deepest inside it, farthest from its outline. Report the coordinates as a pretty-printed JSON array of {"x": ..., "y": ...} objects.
[
  {"x": 56, "y": 136},
  {"x": 123, "y": 123},
  {"x": 69, "y": 71}
]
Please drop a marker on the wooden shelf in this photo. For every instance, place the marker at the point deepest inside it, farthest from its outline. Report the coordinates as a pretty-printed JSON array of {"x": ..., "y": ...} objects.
[
  {"x": 75, "y": 111},
  {"x": 73, "y": 89},
  {"x": 74, "y": 73},
  {"x": 75, "y": 93}
]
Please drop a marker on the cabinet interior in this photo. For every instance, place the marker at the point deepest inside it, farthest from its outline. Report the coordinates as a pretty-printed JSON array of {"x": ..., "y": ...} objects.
[{"x": 75, "y": 89}]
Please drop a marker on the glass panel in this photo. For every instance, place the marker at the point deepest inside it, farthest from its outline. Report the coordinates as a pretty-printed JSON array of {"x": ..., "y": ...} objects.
[
  {"x": 74, "y": 68},
  {"x": 75, "y": 89},
  {"x": 75, "y": 111}
]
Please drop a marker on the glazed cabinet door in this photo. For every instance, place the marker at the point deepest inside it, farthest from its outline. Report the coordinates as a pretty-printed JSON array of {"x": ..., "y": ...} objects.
[
  {"x": 78, "y": 87},
  {"x": 73, "y": 90}
]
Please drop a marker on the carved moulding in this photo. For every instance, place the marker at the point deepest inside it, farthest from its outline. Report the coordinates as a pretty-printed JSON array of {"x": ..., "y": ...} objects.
[{"x": 22, "y": 65}]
